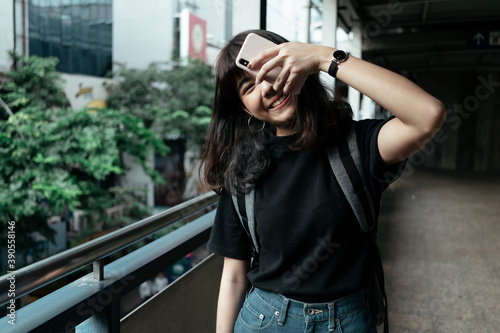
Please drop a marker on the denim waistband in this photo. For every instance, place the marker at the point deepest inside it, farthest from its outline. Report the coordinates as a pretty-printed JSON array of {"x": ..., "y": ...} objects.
[{"x": 330, "y": 311}]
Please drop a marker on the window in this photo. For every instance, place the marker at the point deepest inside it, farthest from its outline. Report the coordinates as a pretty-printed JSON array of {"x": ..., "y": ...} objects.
[{"x": 78, "y": 32}]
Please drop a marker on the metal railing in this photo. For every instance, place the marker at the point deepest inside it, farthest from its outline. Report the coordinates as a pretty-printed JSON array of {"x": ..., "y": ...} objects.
[{"x": 39, "y": 274}]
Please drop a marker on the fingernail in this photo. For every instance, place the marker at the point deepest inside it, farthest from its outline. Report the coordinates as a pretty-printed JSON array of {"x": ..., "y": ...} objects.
[{"x": 249, "y": 65}]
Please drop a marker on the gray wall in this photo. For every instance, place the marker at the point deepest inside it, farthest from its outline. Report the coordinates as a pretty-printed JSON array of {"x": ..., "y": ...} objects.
[
  {"x": 470, "y": 137},
  {"x": 187, "y": 305}
]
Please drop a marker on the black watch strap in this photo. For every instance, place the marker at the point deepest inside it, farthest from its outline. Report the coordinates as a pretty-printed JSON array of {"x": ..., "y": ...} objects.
[
  {"x": 337, "y": 57},
  {"x": 332, "y": 70}
]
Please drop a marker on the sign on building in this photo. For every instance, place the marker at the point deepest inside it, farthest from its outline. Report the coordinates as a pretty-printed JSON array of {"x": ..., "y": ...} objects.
[{"x": 193, "y": 32}]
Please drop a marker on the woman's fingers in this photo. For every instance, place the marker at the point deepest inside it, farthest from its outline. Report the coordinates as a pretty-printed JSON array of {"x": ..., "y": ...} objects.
[
  {"x": 293, "y": 58},
  {"x": 294, "y": 83},
  {"x": 258, "y": 60},
  {"x": 281, "y": 80},
  {"x": 266, "y": 61}
]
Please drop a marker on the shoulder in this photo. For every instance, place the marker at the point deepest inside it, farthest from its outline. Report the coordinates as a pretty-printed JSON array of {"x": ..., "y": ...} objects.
[
  {"x": 369, "y": 126},
  {"x": 362, "y": 130},
  {"x": 361, "y": 138}
]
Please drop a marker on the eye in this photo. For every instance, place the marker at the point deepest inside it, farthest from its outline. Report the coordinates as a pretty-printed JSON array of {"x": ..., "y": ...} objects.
[{"x": 248, "y": 87}]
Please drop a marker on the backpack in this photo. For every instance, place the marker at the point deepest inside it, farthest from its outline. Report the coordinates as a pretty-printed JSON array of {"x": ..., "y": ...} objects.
[{"x": 345, "y": 161}]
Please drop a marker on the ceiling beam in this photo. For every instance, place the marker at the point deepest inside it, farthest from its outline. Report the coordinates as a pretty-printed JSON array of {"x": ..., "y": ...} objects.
[{"x": 401, "y": 3}]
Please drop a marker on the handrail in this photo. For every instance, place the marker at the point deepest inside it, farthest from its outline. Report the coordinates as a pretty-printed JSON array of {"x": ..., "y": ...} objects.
[
  {"x": 39, "y": 274},
  {"x": 86, "y": 298}
]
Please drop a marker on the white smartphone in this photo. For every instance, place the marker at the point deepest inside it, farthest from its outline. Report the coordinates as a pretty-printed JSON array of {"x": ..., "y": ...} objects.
[{"x": 251, "y": 47}]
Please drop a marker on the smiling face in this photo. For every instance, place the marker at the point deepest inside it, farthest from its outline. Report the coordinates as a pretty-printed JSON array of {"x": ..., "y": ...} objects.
[{"x": 267, "y": 105}]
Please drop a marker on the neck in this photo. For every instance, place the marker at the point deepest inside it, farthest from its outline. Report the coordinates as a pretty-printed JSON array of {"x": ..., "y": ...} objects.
[{"x": 284, "y": 131}]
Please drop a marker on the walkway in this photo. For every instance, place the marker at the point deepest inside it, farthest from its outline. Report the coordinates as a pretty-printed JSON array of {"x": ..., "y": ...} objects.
[{"x": 440, "y": 240}]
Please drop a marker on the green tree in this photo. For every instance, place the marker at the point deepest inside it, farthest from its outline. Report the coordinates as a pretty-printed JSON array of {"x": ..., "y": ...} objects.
[
  {"x": 176, "y": 100},
  {"x": 36, "y": 84},
  {"x": 54, "y": 158}
]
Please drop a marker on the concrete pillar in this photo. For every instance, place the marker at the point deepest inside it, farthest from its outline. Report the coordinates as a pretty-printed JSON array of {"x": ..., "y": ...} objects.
[
  {"x": 21, "y": 26},
  {"x": 355, "y": 44},
  {"x": 366, "y": 109},
  {"x": 7, "y": 35},
  {"x": 330, "y": 22},
  {"x": 228, "y": 27},
  {"x": 329, "y": 32},
  {"x": 304, "y": 21}
]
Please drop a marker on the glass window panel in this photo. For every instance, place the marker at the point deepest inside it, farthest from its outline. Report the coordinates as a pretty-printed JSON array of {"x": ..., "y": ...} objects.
[
  {"x": 106, "y": 37},
  {"x": 94, "y": 12},
  {"x": 66, "y": 55},
  {"x": 33, "y": 21},
  {"x": 66, "y": 27},
  {"x": 93, "y": 36},
  {"x": 76, "y": 11},
  {"x": 74, "y": 28},
  {"x": 55, "y": 4},
  {"x": 85, "y": 11},
  {"x": 92, "y": 62},
  {"x": 84, "y": 61},
  {"x": 35, "y": 46},
  {"x": 56, "y": 50},
  {"x": 282, "y": 18},
  {"x": 78, "y": 32},
  {"x": 44, "y": 23},
  {"x": 75, "y": 59}
]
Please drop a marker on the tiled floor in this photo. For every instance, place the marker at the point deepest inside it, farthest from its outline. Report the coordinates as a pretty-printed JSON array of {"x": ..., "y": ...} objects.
[{"x": 439, "y": 235}]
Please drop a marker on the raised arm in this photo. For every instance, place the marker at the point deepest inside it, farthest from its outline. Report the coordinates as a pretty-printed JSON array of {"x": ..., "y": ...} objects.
[
  {"x": 418, "y": 114},
  {"x": 232, "y": 292}
]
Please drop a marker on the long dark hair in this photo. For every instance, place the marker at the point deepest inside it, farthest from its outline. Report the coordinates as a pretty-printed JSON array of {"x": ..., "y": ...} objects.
[{"x": 233, "y": 155}]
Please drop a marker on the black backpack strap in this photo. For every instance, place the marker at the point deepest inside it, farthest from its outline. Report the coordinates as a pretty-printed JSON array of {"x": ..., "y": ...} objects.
[
  {"x": 345, "y": 161},
  {"x": 379, "y": 271},
  {"x": 245, "y": 207},
  {"x": 346, "y": 165}
]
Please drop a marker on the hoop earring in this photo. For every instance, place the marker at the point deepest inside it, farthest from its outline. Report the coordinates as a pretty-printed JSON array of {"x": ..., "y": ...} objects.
[{"x": 251, "y": 129}]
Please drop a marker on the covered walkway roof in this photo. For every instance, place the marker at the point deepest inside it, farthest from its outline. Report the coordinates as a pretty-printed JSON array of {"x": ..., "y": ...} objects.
[{"x": 422, "y": 35}]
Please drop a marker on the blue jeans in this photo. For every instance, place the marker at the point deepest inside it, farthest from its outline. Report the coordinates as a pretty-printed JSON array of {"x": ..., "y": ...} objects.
[{"x": 268, "y": 312}]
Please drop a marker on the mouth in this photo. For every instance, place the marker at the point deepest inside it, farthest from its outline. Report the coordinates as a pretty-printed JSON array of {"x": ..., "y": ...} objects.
[{"x": 279, "y": 102}]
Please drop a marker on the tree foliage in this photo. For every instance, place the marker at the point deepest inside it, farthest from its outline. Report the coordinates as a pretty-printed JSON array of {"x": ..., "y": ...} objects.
[
  {"x": 176, "y": 100},
  {"x": 36, "y": 84},
  {"x": 55, "y": 159}
]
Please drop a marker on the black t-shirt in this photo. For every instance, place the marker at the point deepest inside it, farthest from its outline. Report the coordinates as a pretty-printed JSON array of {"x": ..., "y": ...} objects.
[{"x": 312, "y": 248}]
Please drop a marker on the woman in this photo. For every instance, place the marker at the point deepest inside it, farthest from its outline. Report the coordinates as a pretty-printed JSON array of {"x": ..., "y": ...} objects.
[{"x": 311, "y": 269}]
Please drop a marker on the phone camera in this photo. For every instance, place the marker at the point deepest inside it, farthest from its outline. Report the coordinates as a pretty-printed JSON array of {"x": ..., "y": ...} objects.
[{"x": 244, "y": 62}]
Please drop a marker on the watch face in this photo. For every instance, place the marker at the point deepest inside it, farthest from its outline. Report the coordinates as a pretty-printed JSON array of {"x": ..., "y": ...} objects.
[{"x": 340, "y": 55}]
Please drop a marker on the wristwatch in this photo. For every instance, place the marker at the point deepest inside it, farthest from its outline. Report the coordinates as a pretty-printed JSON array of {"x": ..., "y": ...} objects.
[{"x": 338, "y": 57}]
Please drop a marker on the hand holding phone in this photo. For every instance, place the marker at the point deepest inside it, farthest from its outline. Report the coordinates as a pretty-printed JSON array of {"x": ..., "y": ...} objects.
[{"x": 252, "y": 46}]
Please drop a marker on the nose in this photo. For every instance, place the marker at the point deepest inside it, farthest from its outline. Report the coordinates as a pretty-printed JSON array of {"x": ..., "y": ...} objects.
[{"x": 267, "y": 88}]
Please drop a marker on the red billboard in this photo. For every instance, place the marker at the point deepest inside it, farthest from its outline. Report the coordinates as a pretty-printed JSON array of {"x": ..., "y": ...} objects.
[{"x": 197, "y": 40}]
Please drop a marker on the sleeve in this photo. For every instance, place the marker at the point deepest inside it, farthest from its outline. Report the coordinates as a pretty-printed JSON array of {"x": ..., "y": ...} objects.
[
  {"x": 381, "y": 174},
  {"x": 228, "y": 238}
]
